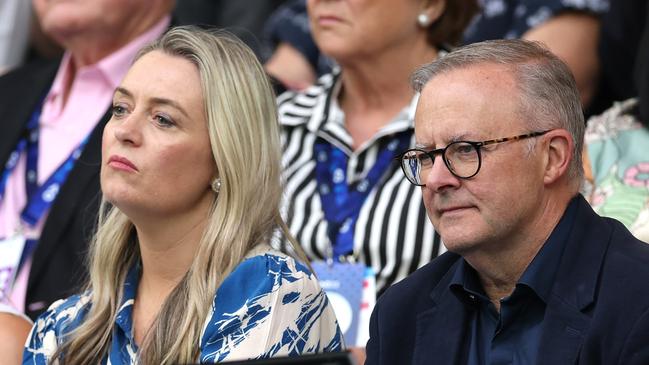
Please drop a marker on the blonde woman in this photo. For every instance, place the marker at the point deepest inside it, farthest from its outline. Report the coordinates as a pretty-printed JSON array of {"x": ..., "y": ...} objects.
[{"x": 181, "y": 270}]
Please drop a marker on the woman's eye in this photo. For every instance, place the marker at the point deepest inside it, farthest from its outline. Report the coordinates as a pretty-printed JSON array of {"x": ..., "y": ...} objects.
[
  {"x": 164, "y": 121},
  {"x": 118, "y": 110}
]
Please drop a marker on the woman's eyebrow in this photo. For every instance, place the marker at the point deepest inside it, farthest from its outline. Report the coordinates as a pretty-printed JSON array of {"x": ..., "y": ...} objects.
[{"x": 154, "y": 100}]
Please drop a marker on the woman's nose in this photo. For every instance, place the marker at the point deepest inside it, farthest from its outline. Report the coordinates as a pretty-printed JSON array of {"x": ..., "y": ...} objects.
[{"x": 128, "y": 130}]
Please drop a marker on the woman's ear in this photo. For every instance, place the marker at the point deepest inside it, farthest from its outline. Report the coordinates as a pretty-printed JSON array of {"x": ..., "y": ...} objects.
[
  {"x": 430, "y": 12},
  {"x": 216, "y": 185}
]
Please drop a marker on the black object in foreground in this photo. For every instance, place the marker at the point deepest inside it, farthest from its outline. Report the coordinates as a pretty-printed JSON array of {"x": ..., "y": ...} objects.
[{"x": 327, "y": 358}]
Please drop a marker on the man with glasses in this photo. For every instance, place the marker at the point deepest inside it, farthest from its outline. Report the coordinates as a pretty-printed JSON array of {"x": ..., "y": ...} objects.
[{"x": 533, "y": 275}]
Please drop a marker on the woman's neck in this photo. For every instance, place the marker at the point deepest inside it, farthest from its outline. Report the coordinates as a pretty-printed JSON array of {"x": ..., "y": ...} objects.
[
  {"x": 376, "y": 89},
  {"x": 167, "y": 249}
]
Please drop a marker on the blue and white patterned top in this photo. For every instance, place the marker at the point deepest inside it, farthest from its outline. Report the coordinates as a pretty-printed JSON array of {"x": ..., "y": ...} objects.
[
  {"x": 268, "y": 306},
  {"x": 512, "y": 18}
]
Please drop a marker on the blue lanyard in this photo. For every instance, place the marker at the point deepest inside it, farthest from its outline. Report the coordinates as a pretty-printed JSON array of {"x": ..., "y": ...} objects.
[
  {"x": 341, "y": 202},
  {"x": 39, "y": 198}
]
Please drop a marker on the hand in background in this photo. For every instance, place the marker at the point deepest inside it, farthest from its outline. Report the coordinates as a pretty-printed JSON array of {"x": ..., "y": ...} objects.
[
  {"x": 13, "y": 335},
  {"x": 290, "y": 68},
  {"x": 359, "y": 354}
]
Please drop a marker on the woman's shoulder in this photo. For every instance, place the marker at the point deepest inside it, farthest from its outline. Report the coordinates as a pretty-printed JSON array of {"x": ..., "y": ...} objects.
[
  {"x": 265, "y": 270},
  {"x": 50, "y": 327},
  {"x": 269, "y": 305},
  {"x": 64, "y": 312}
]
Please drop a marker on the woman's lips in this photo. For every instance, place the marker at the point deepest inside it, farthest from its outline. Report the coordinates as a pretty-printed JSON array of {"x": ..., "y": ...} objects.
[
  {"x": 121, "y": 163},
  {"x": 326, "y": 20}
]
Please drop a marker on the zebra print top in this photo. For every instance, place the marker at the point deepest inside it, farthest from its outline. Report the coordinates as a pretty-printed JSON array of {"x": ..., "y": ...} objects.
[{"x": 393, "y": 234}]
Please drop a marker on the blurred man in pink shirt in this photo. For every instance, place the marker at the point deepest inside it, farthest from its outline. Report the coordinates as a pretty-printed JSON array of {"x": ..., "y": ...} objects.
[{"x": 52, "y": 116}]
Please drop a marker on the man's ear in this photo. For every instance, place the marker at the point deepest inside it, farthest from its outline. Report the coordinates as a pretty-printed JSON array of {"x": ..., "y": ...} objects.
[{"x": 559, "y": 152}]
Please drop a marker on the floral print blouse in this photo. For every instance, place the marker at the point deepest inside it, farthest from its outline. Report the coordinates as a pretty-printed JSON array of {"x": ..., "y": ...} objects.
[
  {"x": 617, "y": 167},
  {"x": 270, "y": 305}
]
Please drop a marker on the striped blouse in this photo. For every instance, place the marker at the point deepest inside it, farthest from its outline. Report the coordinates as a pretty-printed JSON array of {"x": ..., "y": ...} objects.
[{"x": 393, "y": 234}]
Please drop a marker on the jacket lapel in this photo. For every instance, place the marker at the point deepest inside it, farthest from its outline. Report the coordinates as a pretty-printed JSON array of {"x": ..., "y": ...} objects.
[
  {"x": 566, "y": 319},
  {"x": 19, "y": 102},
  {"x": 441, "y": 331},
  {"x": 67, "y": 201},
  {"x": 565, "y": 327}
]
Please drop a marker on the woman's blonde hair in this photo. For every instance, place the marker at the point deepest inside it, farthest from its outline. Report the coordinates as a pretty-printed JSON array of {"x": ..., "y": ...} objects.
[{"x": 244, "y": 136}]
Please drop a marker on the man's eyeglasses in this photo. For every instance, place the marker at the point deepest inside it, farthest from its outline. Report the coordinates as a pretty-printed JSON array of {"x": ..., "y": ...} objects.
[{"x": 462, "y": 158}]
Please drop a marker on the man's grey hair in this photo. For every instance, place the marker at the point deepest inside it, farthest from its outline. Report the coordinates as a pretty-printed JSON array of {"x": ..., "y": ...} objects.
[{"x": 548, "y": 93}]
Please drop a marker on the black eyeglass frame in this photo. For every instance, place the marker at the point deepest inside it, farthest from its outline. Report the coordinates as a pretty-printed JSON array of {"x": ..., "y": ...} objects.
[{"x": 477, "y": 145}]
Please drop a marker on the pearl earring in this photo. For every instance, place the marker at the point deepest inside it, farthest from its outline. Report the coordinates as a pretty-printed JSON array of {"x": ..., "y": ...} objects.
[
  {"x": 423, "y": 20},
  {"x": 216, "y": 185}
]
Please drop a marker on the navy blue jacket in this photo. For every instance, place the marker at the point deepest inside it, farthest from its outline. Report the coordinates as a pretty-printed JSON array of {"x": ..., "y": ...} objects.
[{"x": 598, "y": 312}]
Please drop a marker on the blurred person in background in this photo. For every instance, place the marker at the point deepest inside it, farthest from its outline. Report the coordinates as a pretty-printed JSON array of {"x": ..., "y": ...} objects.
[
  {"x": 243, "y": 18},
  {"x": 616, "y": 156},
  {"x": 52, "y": 116},
  {"x": 619, "y": 40},
  {"x": 181, "y": 267},
  {"x": 295, "y": 62},
  {"x": 569, "y": 28}
]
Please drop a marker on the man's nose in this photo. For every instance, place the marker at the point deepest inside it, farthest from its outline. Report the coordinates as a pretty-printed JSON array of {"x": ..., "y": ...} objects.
[{"x": 439, "y": 177}]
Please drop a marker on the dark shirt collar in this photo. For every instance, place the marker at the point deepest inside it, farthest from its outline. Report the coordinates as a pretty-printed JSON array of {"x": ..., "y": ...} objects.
[
  {"x": 539, "y": 275},
  {"x": 465, "y": 285}
]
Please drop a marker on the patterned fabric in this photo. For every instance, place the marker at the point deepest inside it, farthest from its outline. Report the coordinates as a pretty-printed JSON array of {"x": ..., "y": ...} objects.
[
  {"x": 616, "y": 144},
  {"x": 268, "y": 306},
  {"x": 512, "y": 18},
  {"x": 393, "y": 234}
]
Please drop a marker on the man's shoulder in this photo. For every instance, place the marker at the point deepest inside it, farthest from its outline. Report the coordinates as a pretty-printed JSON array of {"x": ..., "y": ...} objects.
[
  {"x": 627, "y": 255},
  {"x": 619, "y": 312},
  {"x": 423, "y": 281}
]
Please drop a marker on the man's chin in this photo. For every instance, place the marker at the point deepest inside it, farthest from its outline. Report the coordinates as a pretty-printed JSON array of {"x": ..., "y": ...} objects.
[{"x": 460, "y": 244}]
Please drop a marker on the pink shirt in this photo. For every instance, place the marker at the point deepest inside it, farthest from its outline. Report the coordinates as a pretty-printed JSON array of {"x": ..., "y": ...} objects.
[{"x": 62, "y": 129}]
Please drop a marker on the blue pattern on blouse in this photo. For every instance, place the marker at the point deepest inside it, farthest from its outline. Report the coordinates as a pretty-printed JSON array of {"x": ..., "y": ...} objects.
[{"x": 268, "y": 306}]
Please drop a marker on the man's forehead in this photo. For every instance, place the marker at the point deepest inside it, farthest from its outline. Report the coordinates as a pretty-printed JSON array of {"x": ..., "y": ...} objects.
[
  {"x": 480, "y": 75},
  {"x": 467, "y": 103}
]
